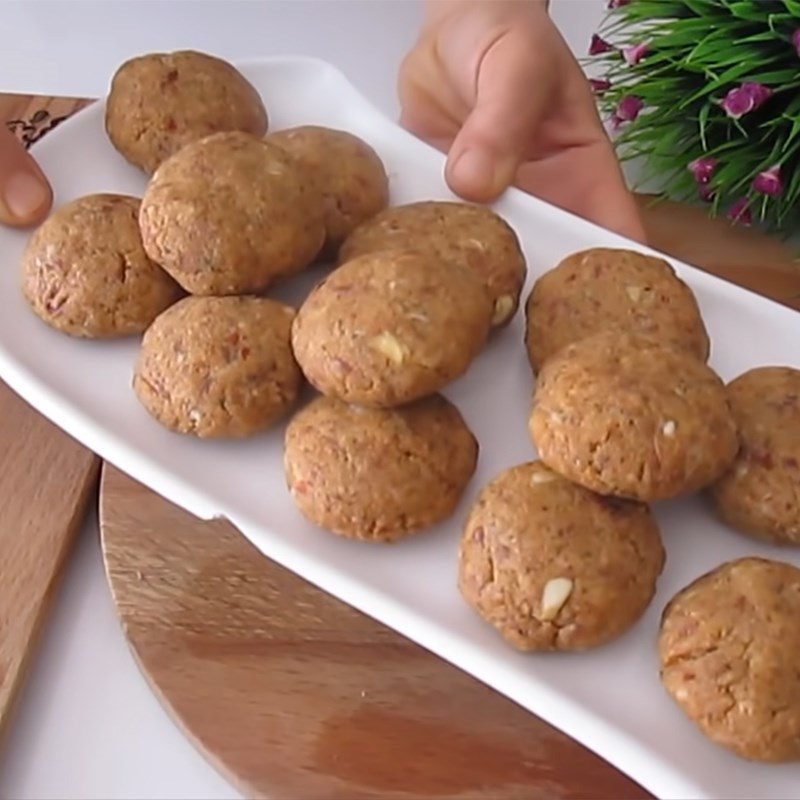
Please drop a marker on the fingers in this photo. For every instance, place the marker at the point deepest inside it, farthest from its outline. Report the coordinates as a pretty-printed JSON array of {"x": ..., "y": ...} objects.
[
  {"x": 435, "y": 116},
  {"x": 613, "y": 207},
  {"x": 513, "y": 89},
  {"x": 594, "y": 184},
  {"x": 25, "y": 194},
  {"x": 587, "y": 181},
  {"x": 427, "y": 124}
]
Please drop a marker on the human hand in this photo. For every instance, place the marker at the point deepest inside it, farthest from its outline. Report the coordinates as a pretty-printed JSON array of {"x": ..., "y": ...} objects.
[
  {"x": 493, "y": 84},
  {"x": 25, "y": 194}
]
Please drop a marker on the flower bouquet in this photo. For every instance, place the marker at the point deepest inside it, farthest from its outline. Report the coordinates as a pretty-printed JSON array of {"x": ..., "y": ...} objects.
[{"x": 706, "y": 93}]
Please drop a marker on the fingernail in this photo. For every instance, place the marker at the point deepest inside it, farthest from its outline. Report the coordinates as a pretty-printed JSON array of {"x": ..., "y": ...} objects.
[
  {"x": 24, "y": 195},
  {"x": 479, "y": 175},
  {"x": 474, "y": 169}
]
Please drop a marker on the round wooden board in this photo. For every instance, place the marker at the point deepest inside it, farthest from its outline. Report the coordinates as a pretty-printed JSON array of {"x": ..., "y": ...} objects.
[{"x": 292, "y": 694}]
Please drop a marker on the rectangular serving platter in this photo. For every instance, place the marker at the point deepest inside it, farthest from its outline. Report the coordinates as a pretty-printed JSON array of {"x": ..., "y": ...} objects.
[{"x": 610, "y": 699}]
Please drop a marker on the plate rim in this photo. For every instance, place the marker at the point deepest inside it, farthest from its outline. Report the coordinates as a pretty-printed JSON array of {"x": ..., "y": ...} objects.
[{"x": 604, "y": 738}]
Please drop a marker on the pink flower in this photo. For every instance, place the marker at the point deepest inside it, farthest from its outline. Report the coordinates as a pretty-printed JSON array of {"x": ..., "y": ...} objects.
[
  {"x": 769, "y": 181},
  {"x": 617, "y": 3},
  {"x": 599, "y": 45},
  {"x": 740, "y": 212},
  {"x": 796, "y": 41},
  {"x": 635, "y": 53},
  {"x": 705, "y": 192},
  {"x": 629, "y": 108},
  {"x": 599, "y": 85},
  {"x": 702, "y": 169},
  {"x": 745, "y": 98},
  {"x": 758, "y": 92}
]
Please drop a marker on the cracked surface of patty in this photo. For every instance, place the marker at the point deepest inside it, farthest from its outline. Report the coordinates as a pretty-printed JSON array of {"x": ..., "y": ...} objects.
[
  {"x": 218, "y": 366},
  {"x": 230, "y": 214},
  {"x": 467, "y": 234},
  {"x": 390, "y": 327},
  {"x": 85, "y": 271},
  {"x": 345, "y": 171},
  {"x": 626, "y": 415},
  {"x": 160, "y": 102},
  {"x": 378, "y": 474},
  {"x": 729, "y": 647},
  {"x": 607, "y": 288},
  {"x": 553, "y": 566},
  {"x": 760, "y": 493}
]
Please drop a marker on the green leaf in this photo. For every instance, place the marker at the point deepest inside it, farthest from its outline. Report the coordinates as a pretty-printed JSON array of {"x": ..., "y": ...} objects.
[
  {"x": 702, "y": 122},
  {"x": 699, "y": 7},
  {"x": 730, "y": 75},
  {"x": 795, "y": 130},
  {"x": 764, "y": 36},
  {"x": 700, "y": 49},
  {"x": 655, "y": 9},
  {"x": 776, "y": 20},
  {"x": 756, "y": 12},
  {"x": 777, "y": 76}
]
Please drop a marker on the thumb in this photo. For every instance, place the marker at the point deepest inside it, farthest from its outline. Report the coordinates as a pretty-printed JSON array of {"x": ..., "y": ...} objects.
[
  {"x": 510, "y": 99},
  {"x": 25, "y": 194}
]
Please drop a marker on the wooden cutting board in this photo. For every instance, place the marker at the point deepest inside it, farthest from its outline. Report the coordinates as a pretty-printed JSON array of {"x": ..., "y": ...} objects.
[
  {"x": 292, "y": 694},
  {"x": 46, "y": 481}
]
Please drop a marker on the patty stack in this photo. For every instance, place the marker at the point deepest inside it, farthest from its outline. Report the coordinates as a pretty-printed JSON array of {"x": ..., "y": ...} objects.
[
  {"x": 382, "y": 454},
  {"x": 564, "y": 553},
  {"x": 227, "y": 214}
]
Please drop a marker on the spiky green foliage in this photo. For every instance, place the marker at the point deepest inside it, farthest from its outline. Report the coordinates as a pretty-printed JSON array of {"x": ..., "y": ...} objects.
[{"x": 699, "y": 50}]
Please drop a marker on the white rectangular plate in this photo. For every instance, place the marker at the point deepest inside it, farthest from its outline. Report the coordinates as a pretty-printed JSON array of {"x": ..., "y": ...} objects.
[{"x": 609, "y": 699}]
